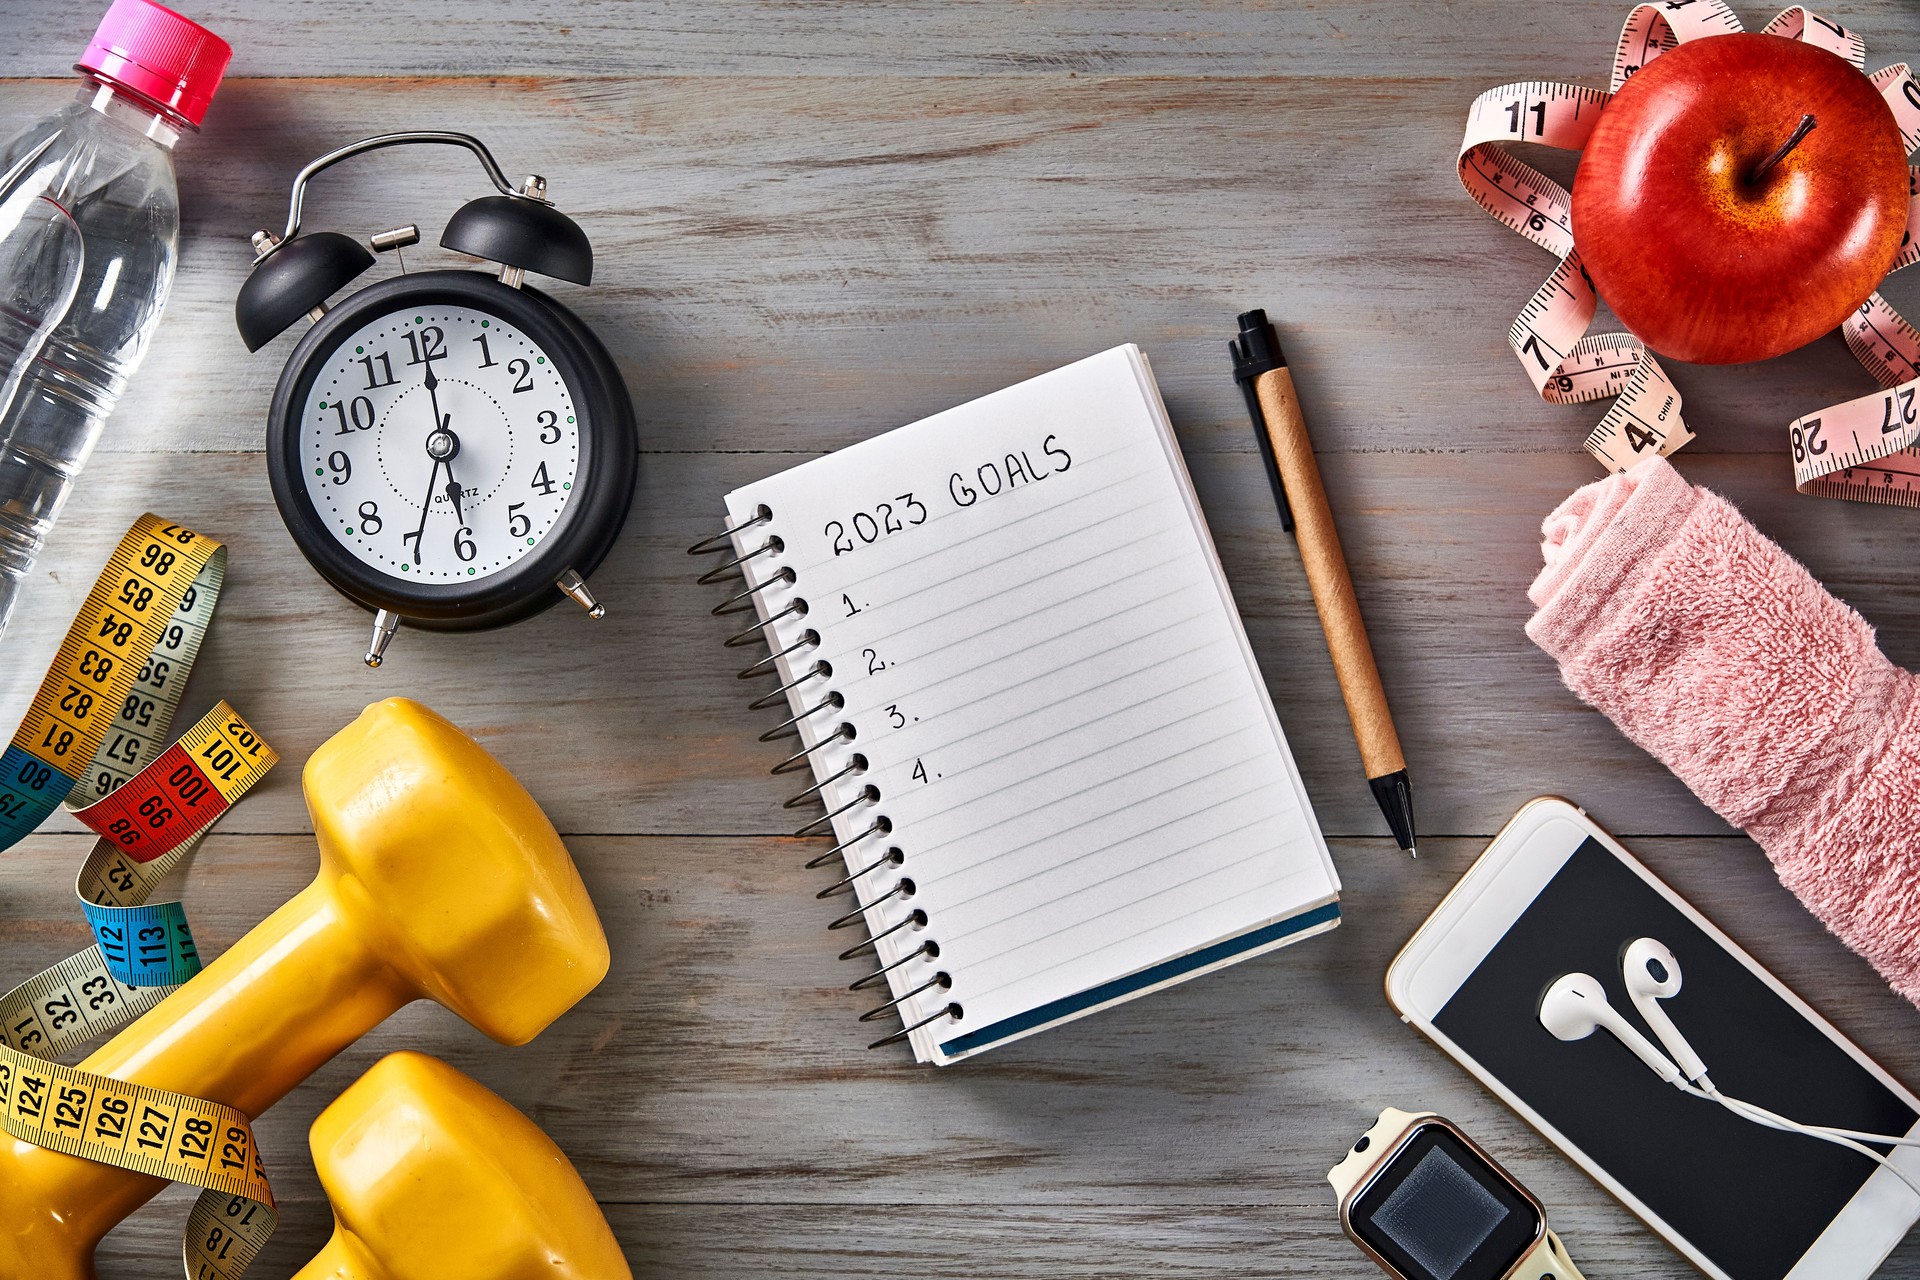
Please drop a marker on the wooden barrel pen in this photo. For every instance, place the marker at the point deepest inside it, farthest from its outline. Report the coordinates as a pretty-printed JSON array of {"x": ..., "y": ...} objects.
[{"x": 1261, "y": 370}]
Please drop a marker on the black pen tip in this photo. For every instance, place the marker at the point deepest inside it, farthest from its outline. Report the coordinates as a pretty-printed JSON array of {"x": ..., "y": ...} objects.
[{"x": 1394, "y": 792}]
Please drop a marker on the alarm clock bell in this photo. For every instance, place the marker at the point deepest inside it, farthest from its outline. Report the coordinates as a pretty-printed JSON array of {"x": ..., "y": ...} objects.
[{"x": 498, "y": 393}]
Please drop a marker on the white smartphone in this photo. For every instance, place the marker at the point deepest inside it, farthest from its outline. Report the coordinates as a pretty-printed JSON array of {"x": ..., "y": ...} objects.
[{"x": 1554, "y": 894}]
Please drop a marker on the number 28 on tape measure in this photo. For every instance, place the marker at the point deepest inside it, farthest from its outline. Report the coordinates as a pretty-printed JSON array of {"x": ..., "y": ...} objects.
[{"x": 1690, "y": 307}]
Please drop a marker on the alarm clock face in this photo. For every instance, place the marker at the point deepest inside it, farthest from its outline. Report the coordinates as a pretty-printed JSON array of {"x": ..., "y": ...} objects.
[
  {"x": 438, "y": 442},
  {"x": 451, "y": 449}
]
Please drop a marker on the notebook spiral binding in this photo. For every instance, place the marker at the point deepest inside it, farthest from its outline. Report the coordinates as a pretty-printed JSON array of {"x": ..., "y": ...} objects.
[{"x": 742, "y": 565}]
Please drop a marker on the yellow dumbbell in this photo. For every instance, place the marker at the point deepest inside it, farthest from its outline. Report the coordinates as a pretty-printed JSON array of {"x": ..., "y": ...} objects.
[
  {"x": 432, "y": 1175},
  {"x": 440, "y": 878}
]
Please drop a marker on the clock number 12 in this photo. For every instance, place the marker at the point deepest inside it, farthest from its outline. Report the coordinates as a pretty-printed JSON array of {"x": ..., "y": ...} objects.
[{"x": 428, "y": 344}]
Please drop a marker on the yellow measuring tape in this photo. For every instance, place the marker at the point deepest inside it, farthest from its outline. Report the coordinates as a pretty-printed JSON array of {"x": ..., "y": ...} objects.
[{"x": 104, "y": 706}]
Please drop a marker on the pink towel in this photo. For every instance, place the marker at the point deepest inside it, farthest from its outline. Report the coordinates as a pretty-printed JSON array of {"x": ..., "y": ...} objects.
[{"x": 1717, "y": 652}]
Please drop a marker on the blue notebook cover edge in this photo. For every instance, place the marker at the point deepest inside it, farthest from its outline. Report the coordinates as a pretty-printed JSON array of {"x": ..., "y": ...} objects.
[{"x": 1323, "y": 916}]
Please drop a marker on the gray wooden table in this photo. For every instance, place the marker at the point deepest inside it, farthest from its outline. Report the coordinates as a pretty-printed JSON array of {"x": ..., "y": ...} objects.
[{"x": 818, "y": 221}]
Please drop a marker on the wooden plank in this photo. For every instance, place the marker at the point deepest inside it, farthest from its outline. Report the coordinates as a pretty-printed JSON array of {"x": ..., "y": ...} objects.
[
  {"x": 796, "y": 264},
  {"x": 919, "y": 37},
  {"x": 637, "y": 724},
  {"x": 815, "y": 222},
  {"x": 885, "y": 1242},
  {"x": 720, "y": 1067}
]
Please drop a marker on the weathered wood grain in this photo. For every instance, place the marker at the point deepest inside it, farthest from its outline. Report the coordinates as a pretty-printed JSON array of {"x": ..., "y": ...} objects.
[
  {"x": 637, "y": 723},
  {"x": 719, "y": 1071},
  {"x": 1016, "y": 1242},
  {"x": 796, "y": 264},
  {"x": 815, "y": 221},
  {"x": 920, "y": 37}
]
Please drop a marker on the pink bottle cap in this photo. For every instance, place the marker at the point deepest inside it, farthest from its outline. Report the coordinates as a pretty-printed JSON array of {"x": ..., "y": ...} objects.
[{"x": 150, "y": 50}]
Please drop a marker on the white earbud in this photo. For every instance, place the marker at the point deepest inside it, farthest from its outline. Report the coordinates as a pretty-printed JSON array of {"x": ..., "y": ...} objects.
[
  {"x": 1652, "y": 974},
  {"x": 1576, "y": 1004}
]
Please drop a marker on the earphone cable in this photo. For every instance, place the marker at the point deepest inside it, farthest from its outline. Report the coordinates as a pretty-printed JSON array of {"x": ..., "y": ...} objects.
[
  {"x": 1761, "y": 1116},
  {"x": 1878, "y": 1138}
]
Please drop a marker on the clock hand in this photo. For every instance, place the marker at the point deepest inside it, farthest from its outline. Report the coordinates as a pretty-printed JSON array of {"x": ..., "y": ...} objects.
[
  {"x": 426, "y": 508},
  {"x": 432, "y": 385},
  {"x": 442, "y": 444}
]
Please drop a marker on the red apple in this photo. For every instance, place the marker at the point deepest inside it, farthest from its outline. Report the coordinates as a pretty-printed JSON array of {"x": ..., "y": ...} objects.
[{"x": 1703, "y": 251}]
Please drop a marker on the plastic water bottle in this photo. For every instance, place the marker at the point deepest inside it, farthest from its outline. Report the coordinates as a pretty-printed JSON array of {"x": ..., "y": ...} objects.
[
  {"x": 40, "y": 259},
  {"x": 102, "y": 167}
]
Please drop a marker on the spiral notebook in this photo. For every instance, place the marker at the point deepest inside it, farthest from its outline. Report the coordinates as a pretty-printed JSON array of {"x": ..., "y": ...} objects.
[{"x": 1051, "y": 772}]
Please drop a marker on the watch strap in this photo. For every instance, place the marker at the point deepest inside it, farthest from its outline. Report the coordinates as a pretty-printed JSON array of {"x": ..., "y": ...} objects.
[
  {"x": 1547, "y": 1260},
  {"x": 1371, "y": 1148}
]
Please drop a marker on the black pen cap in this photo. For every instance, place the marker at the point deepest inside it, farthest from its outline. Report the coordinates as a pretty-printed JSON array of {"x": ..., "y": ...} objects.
[{"x": 1257, "y": 349}]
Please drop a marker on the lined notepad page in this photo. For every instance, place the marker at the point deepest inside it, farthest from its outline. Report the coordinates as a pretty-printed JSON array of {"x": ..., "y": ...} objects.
[{"x": 1074, "y": 753}]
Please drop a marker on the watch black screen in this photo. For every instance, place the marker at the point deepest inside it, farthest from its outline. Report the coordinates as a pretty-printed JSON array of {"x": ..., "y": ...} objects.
[{"x": 1440, "y": 1212}]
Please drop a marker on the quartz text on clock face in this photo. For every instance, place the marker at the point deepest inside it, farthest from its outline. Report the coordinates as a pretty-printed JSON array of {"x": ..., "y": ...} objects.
[{"x": 439, "y": 444}]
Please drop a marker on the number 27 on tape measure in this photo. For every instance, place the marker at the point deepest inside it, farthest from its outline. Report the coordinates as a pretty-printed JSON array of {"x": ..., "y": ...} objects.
[{"x": 1864, "y": 449}]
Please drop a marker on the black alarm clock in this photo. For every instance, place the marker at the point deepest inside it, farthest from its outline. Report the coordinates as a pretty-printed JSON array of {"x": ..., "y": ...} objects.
[{"x": 452, "y": 449}]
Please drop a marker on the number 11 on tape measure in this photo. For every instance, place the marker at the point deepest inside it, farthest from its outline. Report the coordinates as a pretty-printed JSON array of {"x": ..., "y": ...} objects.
[{"x": 1863, "y": 450}]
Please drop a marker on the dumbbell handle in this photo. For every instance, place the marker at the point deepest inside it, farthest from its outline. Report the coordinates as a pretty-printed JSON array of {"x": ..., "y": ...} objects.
[{"x": 288, "y": 996}]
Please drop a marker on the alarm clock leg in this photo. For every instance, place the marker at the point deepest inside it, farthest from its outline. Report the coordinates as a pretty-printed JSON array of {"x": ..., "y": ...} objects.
[
  {"x": 385, "y": 624},
  {"x": 576, "y": 588}
]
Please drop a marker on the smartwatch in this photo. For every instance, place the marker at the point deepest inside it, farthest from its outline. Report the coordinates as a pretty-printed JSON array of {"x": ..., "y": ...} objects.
[{"x": 1422, "y": 1200}]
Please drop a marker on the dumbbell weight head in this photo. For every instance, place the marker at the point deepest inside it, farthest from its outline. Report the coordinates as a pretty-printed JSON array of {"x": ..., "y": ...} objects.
[
  {"x": 452, "y": 870},
  {"x": 440, "y": 878},
  {"x": 431, "y": 1175}
]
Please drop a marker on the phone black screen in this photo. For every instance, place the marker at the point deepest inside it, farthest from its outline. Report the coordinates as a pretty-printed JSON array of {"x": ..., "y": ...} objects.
[{"x": 1752, "y": 1199}]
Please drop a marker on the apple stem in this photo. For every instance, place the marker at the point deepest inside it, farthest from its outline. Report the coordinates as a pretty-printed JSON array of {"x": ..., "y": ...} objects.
[{"x": 1800, "y": 131}]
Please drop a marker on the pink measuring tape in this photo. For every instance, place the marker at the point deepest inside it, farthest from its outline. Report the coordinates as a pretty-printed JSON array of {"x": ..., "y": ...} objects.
[{"x": 1862, "y": 450}]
